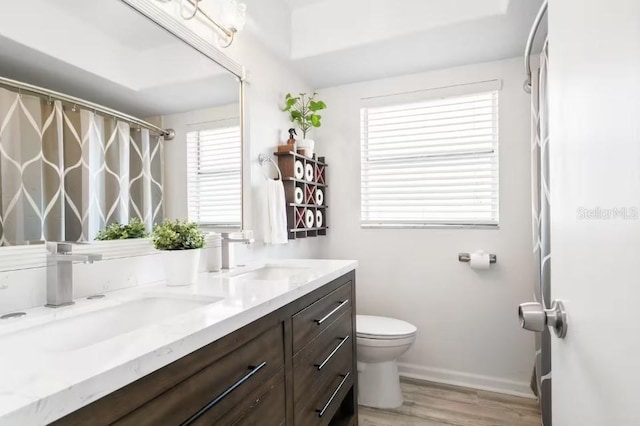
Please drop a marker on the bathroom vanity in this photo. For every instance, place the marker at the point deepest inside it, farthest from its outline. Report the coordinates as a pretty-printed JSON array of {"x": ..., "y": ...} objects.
[{"x": 270, "y": 345}]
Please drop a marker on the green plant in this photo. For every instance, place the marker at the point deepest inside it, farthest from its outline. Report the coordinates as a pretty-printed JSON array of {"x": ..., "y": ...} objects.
[
  {"x": 303, "y": 110},
  {"x": 177, "y": 235},
  {"x": 116, "y": 231}
]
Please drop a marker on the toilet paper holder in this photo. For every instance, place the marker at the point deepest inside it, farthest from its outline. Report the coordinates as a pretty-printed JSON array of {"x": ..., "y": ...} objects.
[{"x": 466, "y": 257}]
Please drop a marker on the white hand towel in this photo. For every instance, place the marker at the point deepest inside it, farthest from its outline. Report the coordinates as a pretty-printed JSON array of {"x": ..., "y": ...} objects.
[{"x": 277, "y": 213}]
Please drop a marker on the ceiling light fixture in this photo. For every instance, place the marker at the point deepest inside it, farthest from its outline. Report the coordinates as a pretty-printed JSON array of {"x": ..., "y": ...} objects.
[{"x": 234, "y": 14}]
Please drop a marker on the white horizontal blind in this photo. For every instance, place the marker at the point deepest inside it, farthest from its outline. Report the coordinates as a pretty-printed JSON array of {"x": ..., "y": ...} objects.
[
  {"x": 431, "y": 162},
  {"x": 214, "y": 168}
]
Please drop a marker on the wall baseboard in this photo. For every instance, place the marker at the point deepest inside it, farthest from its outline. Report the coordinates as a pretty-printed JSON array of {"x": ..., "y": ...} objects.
[{"x": 468, "y": 380}]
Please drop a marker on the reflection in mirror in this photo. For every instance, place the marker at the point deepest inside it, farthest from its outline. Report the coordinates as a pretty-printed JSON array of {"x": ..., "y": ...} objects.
[
  {"x": 213, "y": 165},
  {"x": 61, "y": 162},
  {"x": 69, "y": 169}
]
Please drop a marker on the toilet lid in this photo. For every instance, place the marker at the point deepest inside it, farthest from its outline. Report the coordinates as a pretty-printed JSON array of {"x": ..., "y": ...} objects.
[{"x": 383, "y": 328}]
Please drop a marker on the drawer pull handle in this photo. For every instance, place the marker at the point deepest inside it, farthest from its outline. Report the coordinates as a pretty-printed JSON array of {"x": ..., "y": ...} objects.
[
  {"x": 326, "y": 317},
  {"x": 333, "y": 396},
  {"x": 333, "y": 352},
  {"x": 224, "y": 394}
]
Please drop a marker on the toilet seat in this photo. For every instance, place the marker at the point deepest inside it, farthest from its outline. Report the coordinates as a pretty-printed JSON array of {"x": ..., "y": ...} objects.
[
  {"x": 381, "y": 328},
  {"x": 385, "y": 343}
]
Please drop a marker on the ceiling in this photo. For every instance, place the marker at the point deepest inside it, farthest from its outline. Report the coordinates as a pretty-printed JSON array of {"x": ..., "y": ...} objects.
[
  {"x": 334, "y": 42},
  {"x": 109, "y": 55}
]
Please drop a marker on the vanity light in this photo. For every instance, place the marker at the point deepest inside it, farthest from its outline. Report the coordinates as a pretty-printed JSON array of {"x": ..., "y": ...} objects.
[{"x": 233, "y": 17}]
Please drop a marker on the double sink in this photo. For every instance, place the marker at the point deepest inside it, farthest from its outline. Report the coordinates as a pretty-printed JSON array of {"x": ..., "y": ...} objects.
[{"x": 76, "y": 327}]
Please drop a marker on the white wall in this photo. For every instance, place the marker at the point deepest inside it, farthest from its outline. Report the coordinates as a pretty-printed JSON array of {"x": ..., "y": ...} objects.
[
  {"x": 468, "y": 330},
  {"x": 269, "y": 79}
]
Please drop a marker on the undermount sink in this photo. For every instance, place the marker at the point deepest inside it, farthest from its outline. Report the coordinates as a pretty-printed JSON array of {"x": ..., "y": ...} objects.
[
  {"x": 85, "y": 329},
  {"x": 267, "y": 273}
]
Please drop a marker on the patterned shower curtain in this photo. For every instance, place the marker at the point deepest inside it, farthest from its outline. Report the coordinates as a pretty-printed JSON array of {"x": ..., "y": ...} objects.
[
  {"x": 541, "y": 380},
  {"x": 67, "y": 172}
]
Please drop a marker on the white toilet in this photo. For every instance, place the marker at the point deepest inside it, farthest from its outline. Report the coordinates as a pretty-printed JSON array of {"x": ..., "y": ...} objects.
[{"x": 380, "y": 342}]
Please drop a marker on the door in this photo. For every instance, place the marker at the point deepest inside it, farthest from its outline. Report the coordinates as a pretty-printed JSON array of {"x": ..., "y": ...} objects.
[{"x": 594, "y": 95}]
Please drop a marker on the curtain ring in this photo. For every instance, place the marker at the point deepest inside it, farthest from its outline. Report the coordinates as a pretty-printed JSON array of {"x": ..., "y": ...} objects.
[
  {"x": 187, "y": 17},
  {"x": 229, "y": 40}
]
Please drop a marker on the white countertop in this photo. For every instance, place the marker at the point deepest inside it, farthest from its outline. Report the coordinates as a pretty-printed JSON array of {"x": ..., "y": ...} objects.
[{"x": 38, "y": 387}]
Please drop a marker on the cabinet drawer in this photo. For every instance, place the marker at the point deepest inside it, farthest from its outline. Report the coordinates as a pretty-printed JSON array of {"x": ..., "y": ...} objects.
[
  {"x": 265, "y": 407},
  {"x": 325, "y": 403},
  {"x": 333, "y": 347},
  {"x": 214, "y": 390},
  {"x": 311, "y": 321}
]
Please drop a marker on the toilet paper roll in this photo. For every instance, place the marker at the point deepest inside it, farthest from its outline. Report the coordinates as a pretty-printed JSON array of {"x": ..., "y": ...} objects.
[
  {"x": 298, "y": 170},
  {"x": 308, "y": 172},
  {"x": 298, "y": 195},
  {"x": 319, "y": 219},
  {"x": 319, "y": 196},
  {"x": 479, "y": 260},
  {"x": 309, "y": 218}
]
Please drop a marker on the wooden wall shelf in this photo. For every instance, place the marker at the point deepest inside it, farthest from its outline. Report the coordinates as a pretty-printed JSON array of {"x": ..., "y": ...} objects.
[
  {"x": 305, "y": 186},
  {"x": 304, "y": 181}
]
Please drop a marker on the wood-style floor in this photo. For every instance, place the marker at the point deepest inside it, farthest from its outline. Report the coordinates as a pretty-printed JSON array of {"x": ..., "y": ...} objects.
[{"x": 431, "y": 404}]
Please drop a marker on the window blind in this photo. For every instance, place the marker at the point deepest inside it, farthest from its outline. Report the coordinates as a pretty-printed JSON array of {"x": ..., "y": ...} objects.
[
  {"x": 214, "y": 169},
  {"x": 432, "y": 162}
]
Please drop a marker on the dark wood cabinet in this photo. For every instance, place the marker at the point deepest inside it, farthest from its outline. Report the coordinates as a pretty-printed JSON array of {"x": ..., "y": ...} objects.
[
  {"x": 264, "y": 406},
  {"x": 331, "y": 349},
  {"x": 214, "y": 390},
  {"x": 311, "y": 321},
  {"x": 295, "y": 366}
]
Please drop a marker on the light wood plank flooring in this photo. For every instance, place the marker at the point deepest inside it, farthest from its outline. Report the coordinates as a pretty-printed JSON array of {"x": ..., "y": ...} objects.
[{"x": 432, "y": 404}]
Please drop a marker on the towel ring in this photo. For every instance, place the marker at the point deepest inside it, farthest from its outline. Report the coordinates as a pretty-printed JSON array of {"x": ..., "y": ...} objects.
[{"x": 265, "y": 159}]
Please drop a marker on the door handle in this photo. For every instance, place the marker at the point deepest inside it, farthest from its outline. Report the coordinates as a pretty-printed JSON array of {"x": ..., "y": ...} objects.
[{"x": 534, "y": 317}]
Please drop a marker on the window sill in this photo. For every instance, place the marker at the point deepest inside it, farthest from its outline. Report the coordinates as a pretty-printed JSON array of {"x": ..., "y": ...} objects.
[{"x": 429, "y": 226}]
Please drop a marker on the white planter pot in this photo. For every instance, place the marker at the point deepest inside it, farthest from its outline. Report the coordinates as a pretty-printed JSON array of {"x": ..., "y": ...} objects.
[
  {"x": 307, "y": 146},
  {"x": 181, "y": 266}
]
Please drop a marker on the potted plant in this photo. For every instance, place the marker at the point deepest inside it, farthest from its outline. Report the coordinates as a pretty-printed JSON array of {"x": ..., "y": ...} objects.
[
  {"x": 180, "y": 243},
  {"x": 117, "y": 231},
  {"x": 303, "y": 110}
]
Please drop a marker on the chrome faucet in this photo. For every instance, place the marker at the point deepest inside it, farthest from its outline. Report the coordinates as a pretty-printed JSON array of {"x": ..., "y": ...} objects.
[
  {"x": 228, "y": 252},
  {"x": 60, "y": 272}
]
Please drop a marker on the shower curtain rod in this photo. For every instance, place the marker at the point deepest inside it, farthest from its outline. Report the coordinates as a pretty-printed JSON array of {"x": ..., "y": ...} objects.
[
  {"x": 167, "y": 134},
  {"x": 527, "y": 52}
]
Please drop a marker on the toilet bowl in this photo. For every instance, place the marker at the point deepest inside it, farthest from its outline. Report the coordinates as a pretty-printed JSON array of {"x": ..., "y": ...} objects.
[{"x": 380, "y": 342}]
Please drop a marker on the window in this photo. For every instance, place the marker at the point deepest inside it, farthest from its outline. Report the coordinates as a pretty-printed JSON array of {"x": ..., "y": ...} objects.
[
  {"x": 432, "y": 162},
  {"x": 214, "y": 169}
]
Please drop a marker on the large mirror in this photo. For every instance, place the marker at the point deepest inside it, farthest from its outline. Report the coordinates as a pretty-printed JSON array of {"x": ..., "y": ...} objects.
[{"x": 105, "y": 116}]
